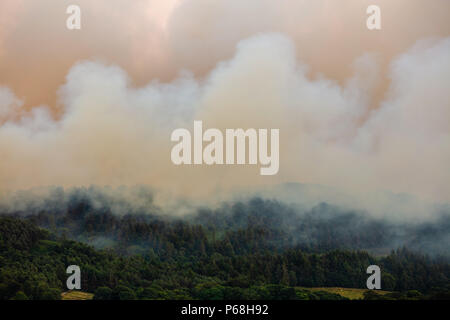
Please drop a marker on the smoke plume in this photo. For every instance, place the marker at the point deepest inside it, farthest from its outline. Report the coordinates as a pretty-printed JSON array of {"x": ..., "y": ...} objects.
[{"x": 362, "y": 112}]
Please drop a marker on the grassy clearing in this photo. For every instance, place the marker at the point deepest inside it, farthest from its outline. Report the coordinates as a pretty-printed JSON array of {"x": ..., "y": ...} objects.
[
  {"x": 350, "y": 293},
  {"x": 76, "y": 295}
]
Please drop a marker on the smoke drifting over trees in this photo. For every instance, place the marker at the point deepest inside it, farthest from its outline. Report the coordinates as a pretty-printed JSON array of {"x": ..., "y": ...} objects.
[
  {"x": 383, "y": 125},
  {"x": 131, "y": 218}
]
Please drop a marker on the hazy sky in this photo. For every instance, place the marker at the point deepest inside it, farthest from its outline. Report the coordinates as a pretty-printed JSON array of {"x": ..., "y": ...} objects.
[
  {"x": 155, "y": 39},
  {"x": 358, "y": 110}
]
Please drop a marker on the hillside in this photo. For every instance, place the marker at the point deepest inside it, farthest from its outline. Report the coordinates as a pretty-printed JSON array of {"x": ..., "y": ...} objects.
[{"x": 194, "y": 267}]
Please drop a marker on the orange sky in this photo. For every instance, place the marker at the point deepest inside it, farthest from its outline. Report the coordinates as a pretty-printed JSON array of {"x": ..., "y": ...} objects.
[{"x": 152, "y": 40}]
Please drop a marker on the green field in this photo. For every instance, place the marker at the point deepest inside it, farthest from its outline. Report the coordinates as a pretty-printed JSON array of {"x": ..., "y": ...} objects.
[
  {"x": 76, "y": 295},
  {"x": 350, "y": 293}
]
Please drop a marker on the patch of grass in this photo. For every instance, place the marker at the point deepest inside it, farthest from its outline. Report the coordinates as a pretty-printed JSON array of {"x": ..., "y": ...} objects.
[
  {"x": 76, "y": 295},
  {"x": 350, "y": 293}
]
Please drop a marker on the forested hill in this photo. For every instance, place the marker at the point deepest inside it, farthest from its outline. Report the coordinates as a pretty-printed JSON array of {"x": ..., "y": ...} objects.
[
  {"x": 255, "y": 224},
  {"x": 189, "y": 263}
]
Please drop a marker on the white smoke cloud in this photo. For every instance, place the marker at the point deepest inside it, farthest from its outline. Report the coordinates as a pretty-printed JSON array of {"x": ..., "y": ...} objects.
[
  {"x": 113, "y": 133},
  {"x": 9, "y": 104}
]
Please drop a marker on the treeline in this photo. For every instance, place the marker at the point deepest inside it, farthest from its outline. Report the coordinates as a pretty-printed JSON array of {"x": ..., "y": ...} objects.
[
  {"x": 255, "y": 225},
  {"x": 184, "y": 261}
]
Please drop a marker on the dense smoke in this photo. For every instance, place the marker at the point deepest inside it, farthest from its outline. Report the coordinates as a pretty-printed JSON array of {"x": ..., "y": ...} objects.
[
  {"x": 357, "y": 111},
  {"x": 101, "y": 217}
]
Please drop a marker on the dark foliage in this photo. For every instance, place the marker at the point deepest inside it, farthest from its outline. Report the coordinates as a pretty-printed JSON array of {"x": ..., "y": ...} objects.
[{"x": 185, "y": 260}]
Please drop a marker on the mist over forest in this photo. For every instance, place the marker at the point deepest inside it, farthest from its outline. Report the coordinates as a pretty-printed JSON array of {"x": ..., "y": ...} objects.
[
  {"x": 125, "y": 218},
  {"x": 257, "y": 248}
]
